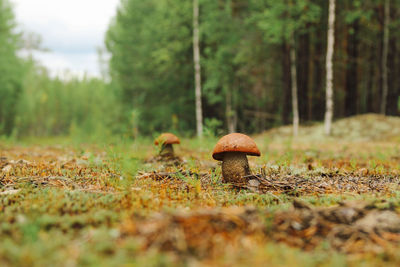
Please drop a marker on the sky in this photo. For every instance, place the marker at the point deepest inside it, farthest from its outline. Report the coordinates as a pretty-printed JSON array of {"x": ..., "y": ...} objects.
[{"x": 71, "y": 29}]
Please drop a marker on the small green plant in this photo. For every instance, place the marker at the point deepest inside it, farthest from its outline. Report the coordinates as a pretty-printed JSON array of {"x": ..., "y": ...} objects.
[{"x": 212, "y": 127}]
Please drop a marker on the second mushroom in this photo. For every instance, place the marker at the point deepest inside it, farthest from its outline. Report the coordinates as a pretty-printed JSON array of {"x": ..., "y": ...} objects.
[
  {"x": 165, "y": 141},
  {"x": 232, "y": 150}
]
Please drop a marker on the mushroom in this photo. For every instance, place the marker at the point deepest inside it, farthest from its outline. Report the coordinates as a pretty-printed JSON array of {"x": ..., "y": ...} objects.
[
  {"x": 166, "y": 140},
  {"x": 232, "y": 149}
]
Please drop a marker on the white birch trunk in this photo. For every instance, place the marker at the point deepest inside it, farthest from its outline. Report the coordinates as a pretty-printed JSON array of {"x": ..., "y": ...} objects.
[
  {"x": 293, "y": 73},
  {"x": 197, "y": 68},
  {"x": 329, "y": 68},
  {"x": 385, "y": 50}
]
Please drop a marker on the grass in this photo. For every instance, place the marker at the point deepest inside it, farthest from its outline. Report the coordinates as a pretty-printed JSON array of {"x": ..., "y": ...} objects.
[{"x": 71, "y": 202}]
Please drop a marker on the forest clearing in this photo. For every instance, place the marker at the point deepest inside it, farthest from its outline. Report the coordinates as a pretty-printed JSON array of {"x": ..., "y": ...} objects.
[{"x": 328, "y": 202}]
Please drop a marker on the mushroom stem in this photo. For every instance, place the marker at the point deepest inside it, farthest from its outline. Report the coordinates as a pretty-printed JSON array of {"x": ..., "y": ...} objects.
[
  {"x": 234, "y": 167},
  {"x": 167, "y": 150}
]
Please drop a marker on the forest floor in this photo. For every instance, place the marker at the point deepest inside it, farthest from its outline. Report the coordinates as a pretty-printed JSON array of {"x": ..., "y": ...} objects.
[{"x": 312, "y": 201}]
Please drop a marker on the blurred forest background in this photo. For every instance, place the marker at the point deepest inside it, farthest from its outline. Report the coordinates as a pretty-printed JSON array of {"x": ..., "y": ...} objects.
[{"x": 148, "y": 84}]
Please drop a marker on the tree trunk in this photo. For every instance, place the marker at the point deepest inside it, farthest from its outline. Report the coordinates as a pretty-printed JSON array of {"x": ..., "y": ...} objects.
[
  {"x": 286, "y": 82},
  {"x": 370, "y": 82},
  {"x": 393, "y": 77},
  {"x": 319, "y": 76},
  {"x": 351, "y": 98},
  {"x": 293, "y": 72},
  {"x": 385, "y": 56},
  {"x": 197, "y": 68},
  {"x": 303, "y": 66},
  {"x": 310, "y": 77},
  {"x": 329, "y": 68}
]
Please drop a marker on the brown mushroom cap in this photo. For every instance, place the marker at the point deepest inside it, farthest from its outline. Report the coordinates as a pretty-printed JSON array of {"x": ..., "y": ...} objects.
[
  {"x": 235, "y": 142},
  {"x": 167, "y": 139}
]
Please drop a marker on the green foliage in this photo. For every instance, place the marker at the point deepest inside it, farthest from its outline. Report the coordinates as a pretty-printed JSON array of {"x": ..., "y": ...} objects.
[
  {"x": 222, "y": 33},
  {"x": 244, "y": 59},
  {"x": 10, "y": 68},
  {"x": 34, "y": 104},
  {"x": 84, "y": 108},
  {"x": 280, "y": 19},
  {"x": 246, "y": 81},
  {"x": 150, "y": 43}
]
